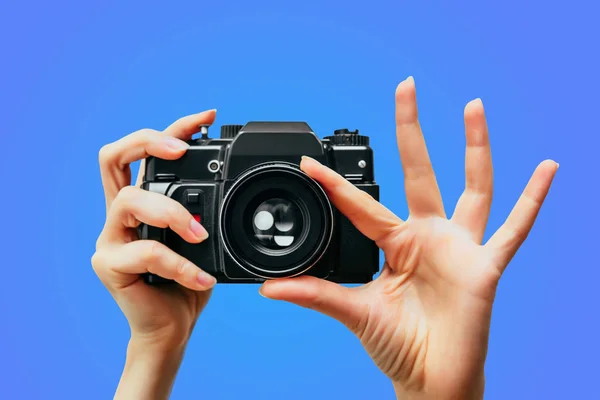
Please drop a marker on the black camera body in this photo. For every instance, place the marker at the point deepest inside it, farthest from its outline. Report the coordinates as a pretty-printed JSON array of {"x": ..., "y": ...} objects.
[{"x": 266, "y": 218}]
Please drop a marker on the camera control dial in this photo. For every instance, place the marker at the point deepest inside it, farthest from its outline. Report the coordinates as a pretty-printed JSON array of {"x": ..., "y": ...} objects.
[
  {"x": 345, "y": 137},
  {"x": 230, "y": 131}
]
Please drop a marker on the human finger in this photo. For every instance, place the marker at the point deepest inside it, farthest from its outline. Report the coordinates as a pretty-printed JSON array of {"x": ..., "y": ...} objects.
[
  {"x": 473, "y": 208},
  {"x": 334, "y": 300},
  {"x": 422, "y": 192},
  {"x": 121, "y": 265},
  {"x": 183, "y": 128},
  {"x": 367, "y": 214},
  {"x": 509, "y": 237},
  {"x": 115, "y": 158},
  {"x": 133, "y": 206}
]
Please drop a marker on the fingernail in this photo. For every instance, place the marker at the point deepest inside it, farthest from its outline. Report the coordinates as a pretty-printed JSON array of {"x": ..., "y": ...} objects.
[
  {"x": 198, "y": 229},
  {"x": 206, "y": 280},
  {"x": 260, "y": 291},
  {"x": 175, "y": 144},
  {"x": 310, "y": 160},
  {"x": 557, "y": 165},
  {"x": 410, "y": 79},
  {"x": 208, "y": 111}
]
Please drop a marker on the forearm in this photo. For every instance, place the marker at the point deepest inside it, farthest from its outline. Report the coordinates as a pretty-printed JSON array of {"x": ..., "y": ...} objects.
[
  {"x": 473, "y": 392},
  {"x": 149, "y": 374}
]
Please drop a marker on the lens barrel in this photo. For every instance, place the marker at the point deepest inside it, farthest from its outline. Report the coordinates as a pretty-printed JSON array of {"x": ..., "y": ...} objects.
[{"x": 276, "y": 221}]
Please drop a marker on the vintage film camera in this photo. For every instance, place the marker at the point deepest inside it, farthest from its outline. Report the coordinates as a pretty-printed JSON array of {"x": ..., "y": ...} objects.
[{"x": 266, "y": 218}]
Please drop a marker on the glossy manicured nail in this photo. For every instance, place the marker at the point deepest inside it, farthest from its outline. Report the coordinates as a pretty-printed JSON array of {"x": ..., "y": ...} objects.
[
  {"x": 260, "y": 291},
  {"x": 175, "y": 144},
  {"x": 311, "y": 160},
  {"x": 206, "y": 280},
  {"x": 198, "y": 229}
]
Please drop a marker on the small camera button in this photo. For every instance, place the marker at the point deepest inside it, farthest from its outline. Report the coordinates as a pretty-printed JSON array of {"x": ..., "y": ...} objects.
[
  {"x": 214, "y": 166},
  {"x": 193, "y": 198}
]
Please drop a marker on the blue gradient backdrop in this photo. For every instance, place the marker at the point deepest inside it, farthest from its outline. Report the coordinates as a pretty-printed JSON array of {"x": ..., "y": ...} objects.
[{"x": 76, "y": 75}]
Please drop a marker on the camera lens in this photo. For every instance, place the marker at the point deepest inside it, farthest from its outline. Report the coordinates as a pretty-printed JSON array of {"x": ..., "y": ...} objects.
[{"x": 276, "y": 221}]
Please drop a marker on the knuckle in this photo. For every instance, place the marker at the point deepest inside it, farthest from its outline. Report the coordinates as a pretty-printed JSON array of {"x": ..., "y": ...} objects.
[
  {"x": 172, "y": 212},
  {"x": 144, "y": 135},
  {"x": 182, "y": 267},
  {"x": 110, "y": 152},
  {"x": 145, "y": 131},
  {"x": 126, "y": 195},
  {"x": 97, "y": 261},
  {"x": 151, "y": 252},
  {"x": 106, "y": 154}
]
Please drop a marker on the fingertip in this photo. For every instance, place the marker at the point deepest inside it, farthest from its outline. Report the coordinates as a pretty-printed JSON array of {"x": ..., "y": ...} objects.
[
  {"x": 317, "y": 171},
  {"x": 270, "y": 289},
  {"x": 261, "y": 291},
  {"x": 474, "y": 107},
  {"x": 550, "y": 163},
  {"x": 405, "y": 88},
  {"x": 212, "y": 111},
  {"x": 547, "y": 169},
  {"x": 476, "y": 124},
  {"x": 406, "y": 104},
  {"x": 308, "y": 164},
  {"x": 320, "y": 295},
  {"x": 187, "y": 126},
  {"x": 204, "y": 280},
  {"x": 409, "y": 81},
  {"x": 207, "y": 117},
  {"x": 548, "y": 166},
  {"x": 287, "y": 288},
  {"x": 200, "y": 233}
]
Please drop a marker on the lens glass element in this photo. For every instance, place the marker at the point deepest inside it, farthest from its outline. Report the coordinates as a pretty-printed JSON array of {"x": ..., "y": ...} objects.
[{"x": 276, "y": 223}]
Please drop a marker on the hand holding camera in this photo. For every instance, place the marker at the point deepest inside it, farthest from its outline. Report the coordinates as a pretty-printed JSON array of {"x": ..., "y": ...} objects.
[
  {"x": 425, "y": 320},
  {"x": 161, "y": 320},
  {"x": 300, "y": 228}
]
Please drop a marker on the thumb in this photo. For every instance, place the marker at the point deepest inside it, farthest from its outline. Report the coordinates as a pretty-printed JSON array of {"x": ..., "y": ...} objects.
[{"x": 336, "y": 301}]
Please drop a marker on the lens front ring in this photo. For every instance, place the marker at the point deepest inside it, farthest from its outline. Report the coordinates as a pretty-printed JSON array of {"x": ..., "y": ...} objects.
[{"x": 255, "y": 186}]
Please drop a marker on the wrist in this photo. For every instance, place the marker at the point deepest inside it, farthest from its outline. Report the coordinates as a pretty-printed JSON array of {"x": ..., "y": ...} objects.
[
  {"x": 473, "y": 391},
  {"x": 150, "y": 370}
]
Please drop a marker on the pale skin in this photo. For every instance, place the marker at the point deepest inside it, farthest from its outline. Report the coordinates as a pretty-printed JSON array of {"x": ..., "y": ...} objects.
[{"x": 424, "y": 321}]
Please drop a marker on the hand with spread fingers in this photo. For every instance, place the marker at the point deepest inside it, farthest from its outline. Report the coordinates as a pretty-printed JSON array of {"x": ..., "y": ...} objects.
[
  {"x": 425, "y": 320},
  {"x": 161, "y": 319}
]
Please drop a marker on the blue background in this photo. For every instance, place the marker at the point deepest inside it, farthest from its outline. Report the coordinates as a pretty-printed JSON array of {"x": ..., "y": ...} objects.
[{"x": 76, "y": 75}]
